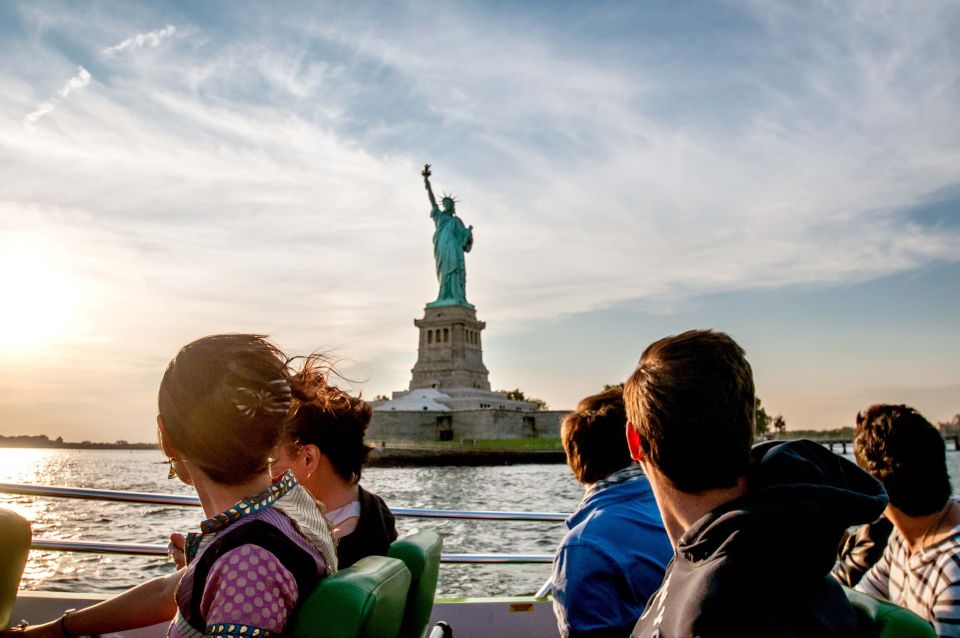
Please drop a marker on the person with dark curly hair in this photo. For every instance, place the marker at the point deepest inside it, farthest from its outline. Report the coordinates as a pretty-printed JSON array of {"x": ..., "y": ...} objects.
[
  {"x": 600, "y": 583},
  {"x": 920, "y": 567},
  {"x": 323, "y": 443}
]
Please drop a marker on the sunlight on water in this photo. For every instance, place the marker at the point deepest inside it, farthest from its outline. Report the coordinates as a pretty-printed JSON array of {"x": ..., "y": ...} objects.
[{"x": 72, "y": 519}]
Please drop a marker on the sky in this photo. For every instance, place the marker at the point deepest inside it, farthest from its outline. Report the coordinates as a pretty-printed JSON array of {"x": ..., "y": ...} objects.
[{"x": 786, "y": 172}]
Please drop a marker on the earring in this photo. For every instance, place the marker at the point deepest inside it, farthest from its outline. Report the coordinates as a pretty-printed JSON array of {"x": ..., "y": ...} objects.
[{"x": 171, "y": 471}]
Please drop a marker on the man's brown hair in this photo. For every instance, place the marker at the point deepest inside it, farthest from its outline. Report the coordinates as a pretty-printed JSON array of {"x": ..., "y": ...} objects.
[
  {"x": 593, "y": 436},
  {"x": 692, "y": 402},
  {"x": 905, "y": 452}
]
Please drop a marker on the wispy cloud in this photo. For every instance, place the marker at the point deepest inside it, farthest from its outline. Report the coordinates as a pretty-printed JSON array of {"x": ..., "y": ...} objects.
[
  {"x": 78, "y": 81},
  {"x": 150, "y": 39}
]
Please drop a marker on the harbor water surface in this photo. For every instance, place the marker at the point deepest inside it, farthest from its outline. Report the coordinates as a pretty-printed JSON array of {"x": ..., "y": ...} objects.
[
  {"x": 517, "y": 488},
  {"x": 528, "y": 488}
]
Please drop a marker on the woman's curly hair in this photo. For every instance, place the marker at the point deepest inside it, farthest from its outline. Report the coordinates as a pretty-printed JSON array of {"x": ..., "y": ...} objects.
[{"x": 328, "y": 417}]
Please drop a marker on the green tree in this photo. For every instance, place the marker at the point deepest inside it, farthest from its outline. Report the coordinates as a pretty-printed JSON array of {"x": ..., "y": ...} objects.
[
  {"x": 611, "y": 386},
  {"x": 518, "y": 395},
  {"x": 762, "y": 423},
  {"x": 779, "y": 425}
]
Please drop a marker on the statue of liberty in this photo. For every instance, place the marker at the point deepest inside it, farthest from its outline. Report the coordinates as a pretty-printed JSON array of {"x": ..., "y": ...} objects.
[{"x": 451, "y": 239}]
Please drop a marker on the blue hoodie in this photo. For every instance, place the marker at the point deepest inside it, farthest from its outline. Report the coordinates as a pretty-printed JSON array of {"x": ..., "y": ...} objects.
[{"x": 611, "y": 560}]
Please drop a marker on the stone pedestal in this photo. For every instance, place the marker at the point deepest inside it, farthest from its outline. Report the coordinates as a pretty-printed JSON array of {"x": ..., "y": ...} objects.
[{"x": 450, "y": 353}]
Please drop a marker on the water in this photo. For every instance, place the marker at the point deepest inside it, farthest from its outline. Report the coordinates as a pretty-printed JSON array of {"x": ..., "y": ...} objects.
[{"x": 521, "y": 488}]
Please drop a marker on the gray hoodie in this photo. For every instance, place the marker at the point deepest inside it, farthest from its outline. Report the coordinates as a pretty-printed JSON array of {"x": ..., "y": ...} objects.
[{"x": 760, "y": 565}]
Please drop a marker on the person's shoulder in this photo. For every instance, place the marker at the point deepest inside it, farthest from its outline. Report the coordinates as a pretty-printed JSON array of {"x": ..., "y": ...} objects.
[
  {"x": 587, "y": 539},
  {"x": 602, "y": 532},
  {"x": 246, "y": 557},
  {"x": 366, "y": 496},
  {"x": 639, "y": 484},
  {"x": 948, "y": 557},
  {"x": 370, "y": 502},
  {"x": 376, "y": 528},
  {"x": 632, "y": 500}
]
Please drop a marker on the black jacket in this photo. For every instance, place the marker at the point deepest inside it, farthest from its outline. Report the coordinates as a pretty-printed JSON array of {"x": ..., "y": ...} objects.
[
  {"x": 861, "y": 551},
  {"x": 759, "y": 566},
  {"x": 375, "y": 530}
]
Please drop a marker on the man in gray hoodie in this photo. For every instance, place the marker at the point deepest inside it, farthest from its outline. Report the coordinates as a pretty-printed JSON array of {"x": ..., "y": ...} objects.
[{"x": 755, "y": 529}]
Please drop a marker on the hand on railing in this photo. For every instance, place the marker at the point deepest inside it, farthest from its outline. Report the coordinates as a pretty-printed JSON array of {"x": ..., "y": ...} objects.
[
  {"x": 175, "y": 549},
  {"x": 441, "y": 630}
]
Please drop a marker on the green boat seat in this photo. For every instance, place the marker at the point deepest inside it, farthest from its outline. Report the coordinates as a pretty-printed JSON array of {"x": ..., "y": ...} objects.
[
  {"x": 889, "y": 620},
  {"x": 15, "y": 537},
  {"x": 420, "y": 552},
  {"x": 365, "y": 600}
]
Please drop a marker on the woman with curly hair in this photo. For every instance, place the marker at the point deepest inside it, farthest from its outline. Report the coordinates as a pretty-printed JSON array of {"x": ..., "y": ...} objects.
[{"x": 324, "y": 446}]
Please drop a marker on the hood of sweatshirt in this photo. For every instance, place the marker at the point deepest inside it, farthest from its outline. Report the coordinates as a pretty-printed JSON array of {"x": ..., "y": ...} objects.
[{"x": 800, "y": 499}]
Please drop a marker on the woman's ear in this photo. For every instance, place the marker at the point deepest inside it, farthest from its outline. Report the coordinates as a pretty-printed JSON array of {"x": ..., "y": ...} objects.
[
  {"x": 166, "y": 446},
  {"x": 162, "y": 438},
  {"x": 633, "y": 442},
  {"x": 311, "y": 458},
  {"x": 178, "y": 464}
]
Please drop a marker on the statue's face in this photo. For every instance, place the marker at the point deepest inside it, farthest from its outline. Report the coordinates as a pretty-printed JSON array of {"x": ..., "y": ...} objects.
[{"x": 447, "y": 204}]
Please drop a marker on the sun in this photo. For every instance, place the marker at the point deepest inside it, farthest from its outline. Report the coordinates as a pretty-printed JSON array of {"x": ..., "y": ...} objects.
[{"x": 36, "y": 298}]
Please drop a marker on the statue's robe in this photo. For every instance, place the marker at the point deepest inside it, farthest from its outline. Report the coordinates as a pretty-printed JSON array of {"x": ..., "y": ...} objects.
[{"x": 451, "y": 239}]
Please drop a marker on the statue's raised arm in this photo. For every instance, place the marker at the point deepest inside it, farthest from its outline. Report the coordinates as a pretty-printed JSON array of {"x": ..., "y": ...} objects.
[{"x": 426, "y": 182}]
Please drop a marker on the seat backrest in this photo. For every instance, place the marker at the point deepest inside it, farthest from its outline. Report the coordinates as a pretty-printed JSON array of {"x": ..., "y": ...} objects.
[
  {"x": 889, "y": 620},
  {"x": 15, "y": 539},
  {"x": 420, "y": 551},
  {"x": 365, "y": 600}
]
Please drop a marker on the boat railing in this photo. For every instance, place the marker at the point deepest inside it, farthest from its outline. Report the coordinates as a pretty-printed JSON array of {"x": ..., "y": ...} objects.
[{"x": 149, "y": 498}]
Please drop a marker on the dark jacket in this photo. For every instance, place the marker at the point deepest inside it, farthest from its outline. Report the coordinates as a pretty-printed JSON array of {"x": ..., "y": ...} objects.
[
  {"x": 760, "y": 565},
  {"x": 861, "y": 551},
  {"x": 375, "y": 530}
]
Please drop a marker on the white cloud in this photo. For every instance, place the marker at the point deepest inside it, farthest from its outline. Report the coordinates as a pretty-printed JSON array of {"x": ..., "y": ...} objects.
[
  {"x": 32, "y": 117},
  {"x": 151, "y": 39},
  {"x": 78, "y": 81}
]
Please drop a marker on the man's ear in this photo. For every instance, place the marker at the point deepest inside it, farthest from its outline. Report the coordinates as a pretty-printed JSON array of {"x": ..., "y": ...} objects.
[{"x": 633, "y": 442}]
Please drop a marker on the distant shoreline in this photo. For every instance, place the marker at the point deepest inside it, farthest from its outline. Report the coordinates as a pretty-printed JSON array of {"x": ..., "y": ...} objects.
[{"x": 44, "y": 443}]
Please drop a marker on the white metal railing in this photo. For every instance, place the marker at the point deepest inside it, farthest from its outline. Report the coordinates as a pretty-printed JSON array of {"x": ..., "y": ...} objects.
[{"x": 142, "y": 549}]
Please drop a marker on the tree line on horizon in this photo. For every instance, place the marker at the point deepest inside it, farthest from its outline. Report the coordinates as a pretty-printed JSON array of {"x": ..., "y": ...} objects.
[{"x": 43, "y": 441}]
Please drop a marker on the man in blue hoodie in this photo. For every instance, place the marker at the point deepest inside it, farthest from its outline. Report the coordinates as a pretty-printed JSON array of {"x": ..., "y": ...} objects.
[
  {"x": 613, "y": 556},
  {"x": 755, "y": 529}
]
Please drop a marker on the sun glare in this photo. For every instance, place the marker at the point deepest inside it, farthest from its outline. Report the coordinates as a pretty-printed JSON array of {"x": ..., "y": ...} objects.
[{"x": 36, "y": 299}]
